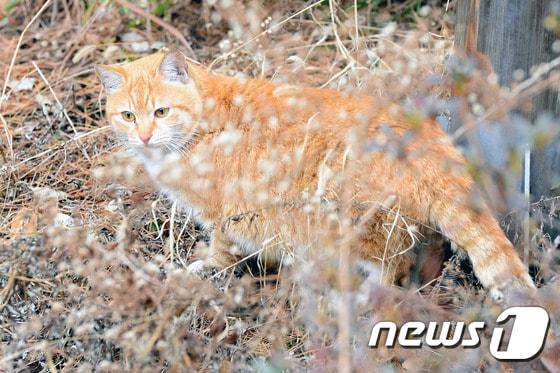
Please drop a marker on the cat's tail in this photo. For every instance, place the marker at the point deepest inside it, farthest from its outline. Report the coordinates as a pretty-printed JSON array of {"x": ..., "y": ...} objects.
[{"x": 495, "y": 261}]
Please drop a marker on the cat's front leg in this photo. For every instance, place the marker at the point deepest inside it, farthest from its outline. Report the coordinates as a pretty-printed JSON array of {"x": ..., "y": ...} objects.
[
  {"x": 238, "y": 238},
  {"x": 219, "y": 257}
]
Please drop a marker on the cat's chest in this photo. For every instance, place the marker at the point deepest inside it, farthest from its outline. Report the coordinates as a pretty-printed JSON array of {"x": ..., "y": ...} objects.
[{"x": 158, "y": 169}]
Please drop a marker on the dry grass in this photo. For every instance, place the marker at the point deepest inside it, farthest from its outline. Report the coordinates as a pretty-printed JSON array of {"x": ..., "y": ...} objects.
[{"x": 92, "y": 259}]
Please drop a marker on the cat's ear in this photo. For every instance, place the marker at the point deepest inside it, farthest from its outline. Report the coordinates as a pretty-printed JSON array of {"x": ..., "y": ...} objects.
[
  {"x": 173, "y": 67},
  {"x": 110, "y": 77}
]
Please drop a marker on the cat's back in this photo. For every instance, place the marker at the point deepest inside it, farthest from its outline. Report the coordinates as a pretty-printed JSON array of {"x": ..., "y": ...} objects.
[
  {"x": 332, "y": 109},
  {"x": 288, "y": 114}
]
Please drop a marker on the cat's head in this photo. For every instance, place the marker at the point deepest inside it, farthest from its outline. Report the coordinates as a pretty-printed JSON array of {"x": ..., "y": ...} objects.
[{"x": 152, "y": 102}]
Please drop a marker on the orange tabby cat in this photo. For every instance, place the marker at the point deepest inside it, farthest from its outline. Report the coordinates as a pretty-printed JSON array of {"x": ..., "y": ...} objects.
[{"x": 264, "y": 166}]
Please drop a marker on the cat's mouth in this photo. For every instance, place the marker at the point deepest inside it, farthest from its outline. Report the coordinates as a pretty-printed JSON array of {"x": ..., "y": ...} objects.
[
  {"x": 163, "y": 144},
  {"x": 153, "y": 149},
  {"x": 158, "y": 150}
]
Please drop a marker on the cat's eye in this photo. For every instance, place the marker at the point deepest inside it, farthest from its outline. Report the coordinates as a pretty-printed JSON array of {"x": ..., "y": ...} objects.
[
  {"x": 128, "y": 116},
  {"x": 161, "y": 112}
]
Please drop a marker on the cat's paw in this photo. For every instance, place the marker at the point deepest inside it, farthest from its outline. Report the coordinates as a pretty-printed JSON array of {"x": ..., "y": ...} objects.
[
  {"x": 497, "y": 295},
  {"x": 210, "y": 272},
  {"x": 203, "y": 269},
  {"x": 514, "y": 291}
]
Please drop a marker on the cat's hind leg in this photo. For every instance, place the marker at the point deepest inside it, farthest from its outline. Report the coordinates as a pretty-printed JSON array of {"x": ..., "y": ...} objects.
[{"x": 494, "y": 259}]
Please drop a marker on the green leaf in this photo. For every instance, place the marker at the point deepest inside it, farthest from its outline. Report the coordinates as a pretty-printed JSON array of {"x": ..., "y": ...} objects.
[
  {"x": 10, "y": 5},
  {"x": 162, "y": 8}
]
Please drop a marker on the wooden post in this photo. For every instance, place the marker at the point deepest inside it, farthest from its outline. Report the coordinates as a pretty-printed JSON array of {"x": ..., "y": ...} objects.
[{"x": 512, "y": 34}]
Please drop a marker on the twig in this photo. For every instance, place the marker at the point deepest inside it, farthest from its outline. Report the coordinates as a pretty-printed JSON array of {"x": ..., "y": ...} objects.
[
  {"x": 61, "y": 107},
  {"x": 6, "y": 293},
  {"x": 29, "y": 279},
  {"x": 410, "y": 234},
  {"x": 60, "y": 146},
  {"x": 539, "y": 72},
  {"x": 172, "y": 30},
  {"x": 3, "y": 97},
  {"x": 18, "y": 45},
  {"x": 7, "y": 134},
  {"x": 36, "y": 347},
  {"x": 427, "y": 284},
  {"x": 247, "y": 257},
  {"x": 357, "y": 29},
  {"x": 527, "y": 195},
  {"x": 267, "y": 31},
  {"x": 185, "y": 223},
  {"x": 171, "y": 229},
  {"x": 50, "y": 362},
  {"x": 393, "y": 225},
  {"x": 157, "y": 333},
  {"x": 339, "y": 42},
  {"x": 337, "y": 75}
]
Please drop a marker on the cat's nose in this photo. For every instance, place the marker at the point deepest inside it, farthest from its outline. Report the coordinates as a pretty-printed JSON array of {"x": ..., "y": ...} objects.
[{"x": 145, "y": 137}]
